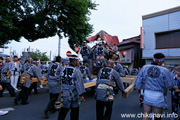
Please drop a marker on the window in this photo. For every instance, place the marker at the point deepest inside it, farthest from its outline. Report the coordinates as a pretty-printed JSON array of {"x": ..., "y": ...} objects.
[{"x": 170, "y": 39}]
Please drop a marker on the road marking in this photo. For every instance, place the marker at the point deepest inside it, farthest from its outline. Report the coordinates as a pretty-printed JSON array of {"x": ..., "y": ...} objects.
[{"x": 7, "y": 109}]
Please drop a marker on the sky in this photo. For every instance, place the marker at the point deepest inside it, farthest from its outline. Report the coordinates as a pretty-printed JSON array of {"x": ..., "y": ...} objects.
[{"x": 122, "y": 18}]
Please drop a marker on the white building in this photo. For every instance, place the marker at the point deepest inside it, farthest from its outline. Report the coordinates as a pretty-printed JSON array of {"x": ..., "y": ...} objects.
[{"x": 162, "y": 35}]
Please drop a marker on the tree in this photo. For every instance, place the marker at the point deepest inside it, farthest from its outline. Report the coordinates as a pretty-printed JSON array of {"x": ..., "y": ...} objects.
[
  {"x": 35, "y": 19},
  {"x": 41, "y": 56}
]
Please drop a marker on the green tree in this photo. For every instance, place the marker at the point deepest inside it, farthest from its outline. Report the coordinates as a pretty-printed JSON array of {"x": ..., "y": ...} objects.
[
  {"x": 42, "y": 56},
  {"x": 35, "y": 19}
]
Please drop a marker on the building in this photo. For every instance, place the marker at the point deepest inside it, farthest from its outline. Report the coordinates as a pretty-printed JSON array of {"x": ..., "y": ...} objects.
[
  {"x": 130, "y": 52},
  {"x": 162, "y": 35},
  {"x": 25, "y": 56}
]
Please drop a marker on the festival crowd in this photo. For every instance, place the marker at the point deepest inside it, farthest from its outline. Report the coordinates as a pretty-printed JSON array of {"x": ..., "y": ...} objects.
[{"x": 66, "y": 82}]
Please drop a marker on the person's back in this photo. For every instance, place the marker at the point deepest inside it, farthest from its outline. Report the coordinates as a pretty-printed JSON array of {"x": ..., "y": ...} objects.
[
  {"x": 107, "y": 77},
  {"x": 70, "y": 79},
  {"x": 72, "y": 89},
  {"x": 105, "y": 86},
  {"x": 155, "y": 80},
  {"x": 85, "y": 72},
  {"x": 159, "y": 78},
  {"x": 53, "y": 77},
  {"x": 86, "y": 53}
]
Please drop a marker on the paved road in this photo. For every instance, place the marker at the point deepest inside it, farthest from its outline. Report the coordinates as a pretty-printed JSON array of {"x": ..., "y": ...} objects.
[{"x": 37, "y": 103}]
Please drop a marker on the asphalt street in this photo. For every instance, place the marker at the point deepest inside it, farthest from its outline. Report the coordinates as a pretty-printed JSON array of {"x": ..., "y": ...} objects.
[{"x": 37, "y": 103}]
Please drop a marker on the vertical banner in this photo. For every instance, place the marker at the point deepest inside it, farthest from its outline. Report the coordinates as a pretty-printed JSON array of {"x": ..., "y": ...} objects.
[{"x": 142, "y": 38}]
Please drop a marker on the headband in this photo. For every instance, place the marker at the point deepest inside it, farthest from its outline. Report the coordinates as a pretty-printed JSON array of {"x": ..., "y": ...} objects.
[
  {"x": 158, "y": 60},
  {"x": 74, "y": 58},
  {"x": 36, "y": 61}
]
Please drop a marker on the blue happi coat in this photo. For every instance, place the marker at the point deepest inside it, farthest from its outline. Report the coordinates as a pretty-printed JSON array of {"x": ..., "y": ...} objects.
[
  {"x": 85, "y": 72},
  {"x": 34, "y": 71},
  {"x": 4, "y": 71},
  {"x": 159, "y": 80},
  {"x": 99, "y": 54},
  {"x": 119, "y": 69},
  {"x": 174, "y": 94},
  {"x": 86, "y": 54},
  {"x": 72, "y": 86},
  {"x": 26, "y": 67},
  {"x": 103, "y": 81},
  {"x": 15, "y": 69},
  {"x": 44, "y": 69},
  {"x": 53, "y": 77}
]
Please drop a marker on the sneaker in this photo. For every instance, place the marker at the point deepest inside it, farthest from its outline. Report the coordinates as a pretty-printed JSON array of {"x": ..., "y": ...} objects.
[{"x": 3, "y": 112}]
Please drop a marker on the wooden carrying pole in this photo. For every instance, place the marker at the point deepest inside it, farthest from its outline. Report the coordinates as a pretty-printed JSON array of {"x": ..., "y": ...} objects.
[
  {"x": 129, "y": 89},
  {"x": 127, "y": 79}
]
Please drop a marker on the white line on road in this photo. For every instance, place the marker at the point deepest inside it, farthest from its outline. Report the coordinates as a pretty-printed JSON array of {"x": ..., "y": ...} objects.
[{"x": 7, "y": 109}]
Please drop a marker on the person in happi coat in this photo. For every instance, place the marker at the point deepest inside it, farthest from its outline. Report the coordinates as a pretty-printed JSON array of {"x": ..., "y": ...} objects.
[
  {"x": 86, "y": 53},
  {"x": 15, "y": 68},
  {"x": 5, "y": 78},
  {"x": 175, "y": 94},
  {"x": 53, "y": 77},
  {"x": 119, "y": 68},
  {"x": 105, "y": 90},
  {"x": 72, "y": 89},
  {"x": 85, "y": 71},
  {"x": 173, "y": 72},
  {"x": 43, "y": 67},
  {"x": 127, "y": 70},
  {"x": 44, "y": 70},
  {"x": 155, "y": 80},
  {"x": 34, "y": 84},
  {"x": 134, "y": 71},
  {"x": 33, "y": 72},
  {"x": 28, "y": 63},
  {"x": 98, "y": 56}
]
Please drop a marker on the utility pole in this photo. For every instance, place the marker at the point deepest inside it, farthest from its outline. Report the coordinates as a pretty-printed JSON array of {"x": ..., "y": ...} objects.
[
  {"x": 59, "y": 46},
  {"x": 50, "y": 56}
]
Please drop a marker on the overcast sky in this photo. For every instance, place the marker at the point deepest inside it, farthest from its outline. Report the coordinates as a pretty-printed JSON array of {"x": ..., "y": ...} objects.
[{"x": 122, "y": 18}]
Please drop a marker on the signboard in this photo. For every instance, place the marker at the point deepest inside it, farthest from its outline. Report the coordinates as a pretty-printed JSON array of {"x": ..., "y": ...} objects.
[
  {"x": 125, "y": 56},
  {"x": 68, "y": 53},
  {"x": 142, "y": 38}
]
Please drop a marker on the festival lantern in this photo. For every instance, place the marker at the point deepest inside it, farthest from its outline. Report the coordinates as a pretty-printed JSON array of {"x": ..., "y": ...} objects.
[{"x": 124, "y": 53}]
